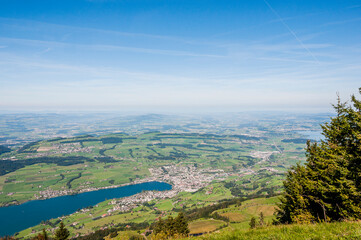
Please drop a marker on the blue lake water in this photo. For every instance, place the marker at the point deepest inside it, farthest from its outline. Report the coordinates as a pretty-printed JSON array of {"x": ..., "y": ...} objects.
[
  {"x": 312, "y": 135},
  {"x": 19, "y": 217}
]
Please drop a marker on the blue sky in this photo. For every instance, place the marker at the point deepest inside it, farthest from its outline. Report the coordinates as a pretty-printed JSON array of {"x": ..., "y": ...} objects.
[{"x": 178, "y": 54}]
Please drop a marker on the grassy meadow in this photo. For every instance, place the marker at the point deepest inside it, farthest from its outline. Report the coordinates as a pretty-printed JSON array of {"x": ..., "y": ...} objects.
[{"x": 321, "y": 231}]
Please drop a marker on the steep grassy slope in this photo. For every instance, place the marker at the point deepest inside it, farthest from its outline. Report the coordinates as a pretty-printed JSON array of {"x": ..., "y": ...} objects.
[{"x": 339, "y": 230}]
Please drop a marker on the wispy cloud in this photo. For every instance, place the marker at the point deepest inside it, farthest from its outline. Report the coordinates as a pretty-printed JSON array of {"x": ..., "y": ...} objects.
[
  {"x": 107, "y": 47},
  {"x": 291, "y": 31},
  {"x": 259, "y": 60},
  {"x": 286, "y": 60},
  {"x": 89, "y": 73},
  {"x": 45, "y": 51},
  {"x": 31, "y": 24},
  {"x": 152, "y": 51},
  {"x": 100, "y": 47},
  {"x": 284, "y": 47},
  {"x": 353, "y": 6},
  {"x": 342, "y": 22}
]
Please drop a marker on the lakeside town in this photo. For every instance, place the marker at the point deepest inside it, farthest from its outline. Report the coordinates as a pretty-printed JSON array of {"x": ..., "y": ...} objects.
[{"x": 182, "y": 178}]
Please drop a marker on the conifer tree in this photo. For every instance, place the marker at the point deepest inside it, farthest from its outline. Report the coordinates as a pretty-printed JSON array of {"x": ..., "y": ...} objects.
[
  {"x": 45, "y": 235},
  {"x": 261, "y": 219},
  {"x": 328, "y": 186},
  {"x": 253, "y": 223},
  {"x": 171, "y": 227},
  {"x": 181, "y": 224},
  {"x": 159, "y": 226},
  {"x": 62, "y": 233}
]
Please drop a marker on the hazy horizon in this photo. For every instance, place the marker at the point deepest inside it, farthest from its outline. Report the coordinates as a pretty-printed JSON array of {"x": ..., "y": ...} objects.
[{"x": 167, "y": 111}]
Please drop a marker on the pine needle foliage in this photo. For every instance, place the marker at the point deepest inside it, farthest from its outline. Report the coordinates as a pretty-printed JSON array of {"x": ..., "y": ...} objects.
[
  {"x": 62, "y": 233},
  {"x": 253, "y": 223},
  {"x": 328, "y": 187},
  {"x": 171, "y": 227}
]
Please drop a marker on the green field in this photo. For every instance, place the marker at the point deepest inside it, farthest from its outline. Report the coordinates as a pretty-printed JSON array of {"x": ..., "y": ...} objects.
[
  {"x": 86, "y": 222},
  {"x": 240, "y": 216},
  {"x": 253, "y": 163},
  {"x": 205, "y": 226},
  {"x": 75, "y": 164}
]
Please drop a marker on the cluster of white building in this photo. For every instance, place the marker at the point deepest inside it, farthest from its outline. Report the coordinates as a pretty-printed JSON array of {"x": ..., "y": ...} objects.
[
  {"x": 128, "y": 203},
  {"x": 71, "y": 148},
  {"x": 49, "y": 193},
  {"x": 187, "y": 178},
  {"x": 183, "y": 179}
]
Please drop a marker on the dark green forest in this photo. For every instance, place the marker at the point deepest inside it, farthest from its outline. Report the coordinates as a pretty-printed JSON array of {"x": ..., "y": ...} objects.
[{"x": 328, "y": 187}]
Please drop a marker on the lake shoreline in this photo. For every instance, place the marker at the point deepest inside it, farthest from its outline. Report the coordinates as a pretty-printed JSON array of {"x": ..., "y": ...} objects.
[
  {"x": 73, "y": 192},
  {"x": 33, "y": 212}
]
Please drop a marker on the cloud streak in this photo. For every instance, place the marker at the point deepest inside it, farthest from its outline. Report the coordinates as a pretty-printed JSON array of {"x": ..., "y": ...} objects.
[
  {"x": 292, "y": 32},
  {"x": 342, "y": 22},
  {"x": 107, "y": 48},
  {"x": 31, "y": 23}
]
